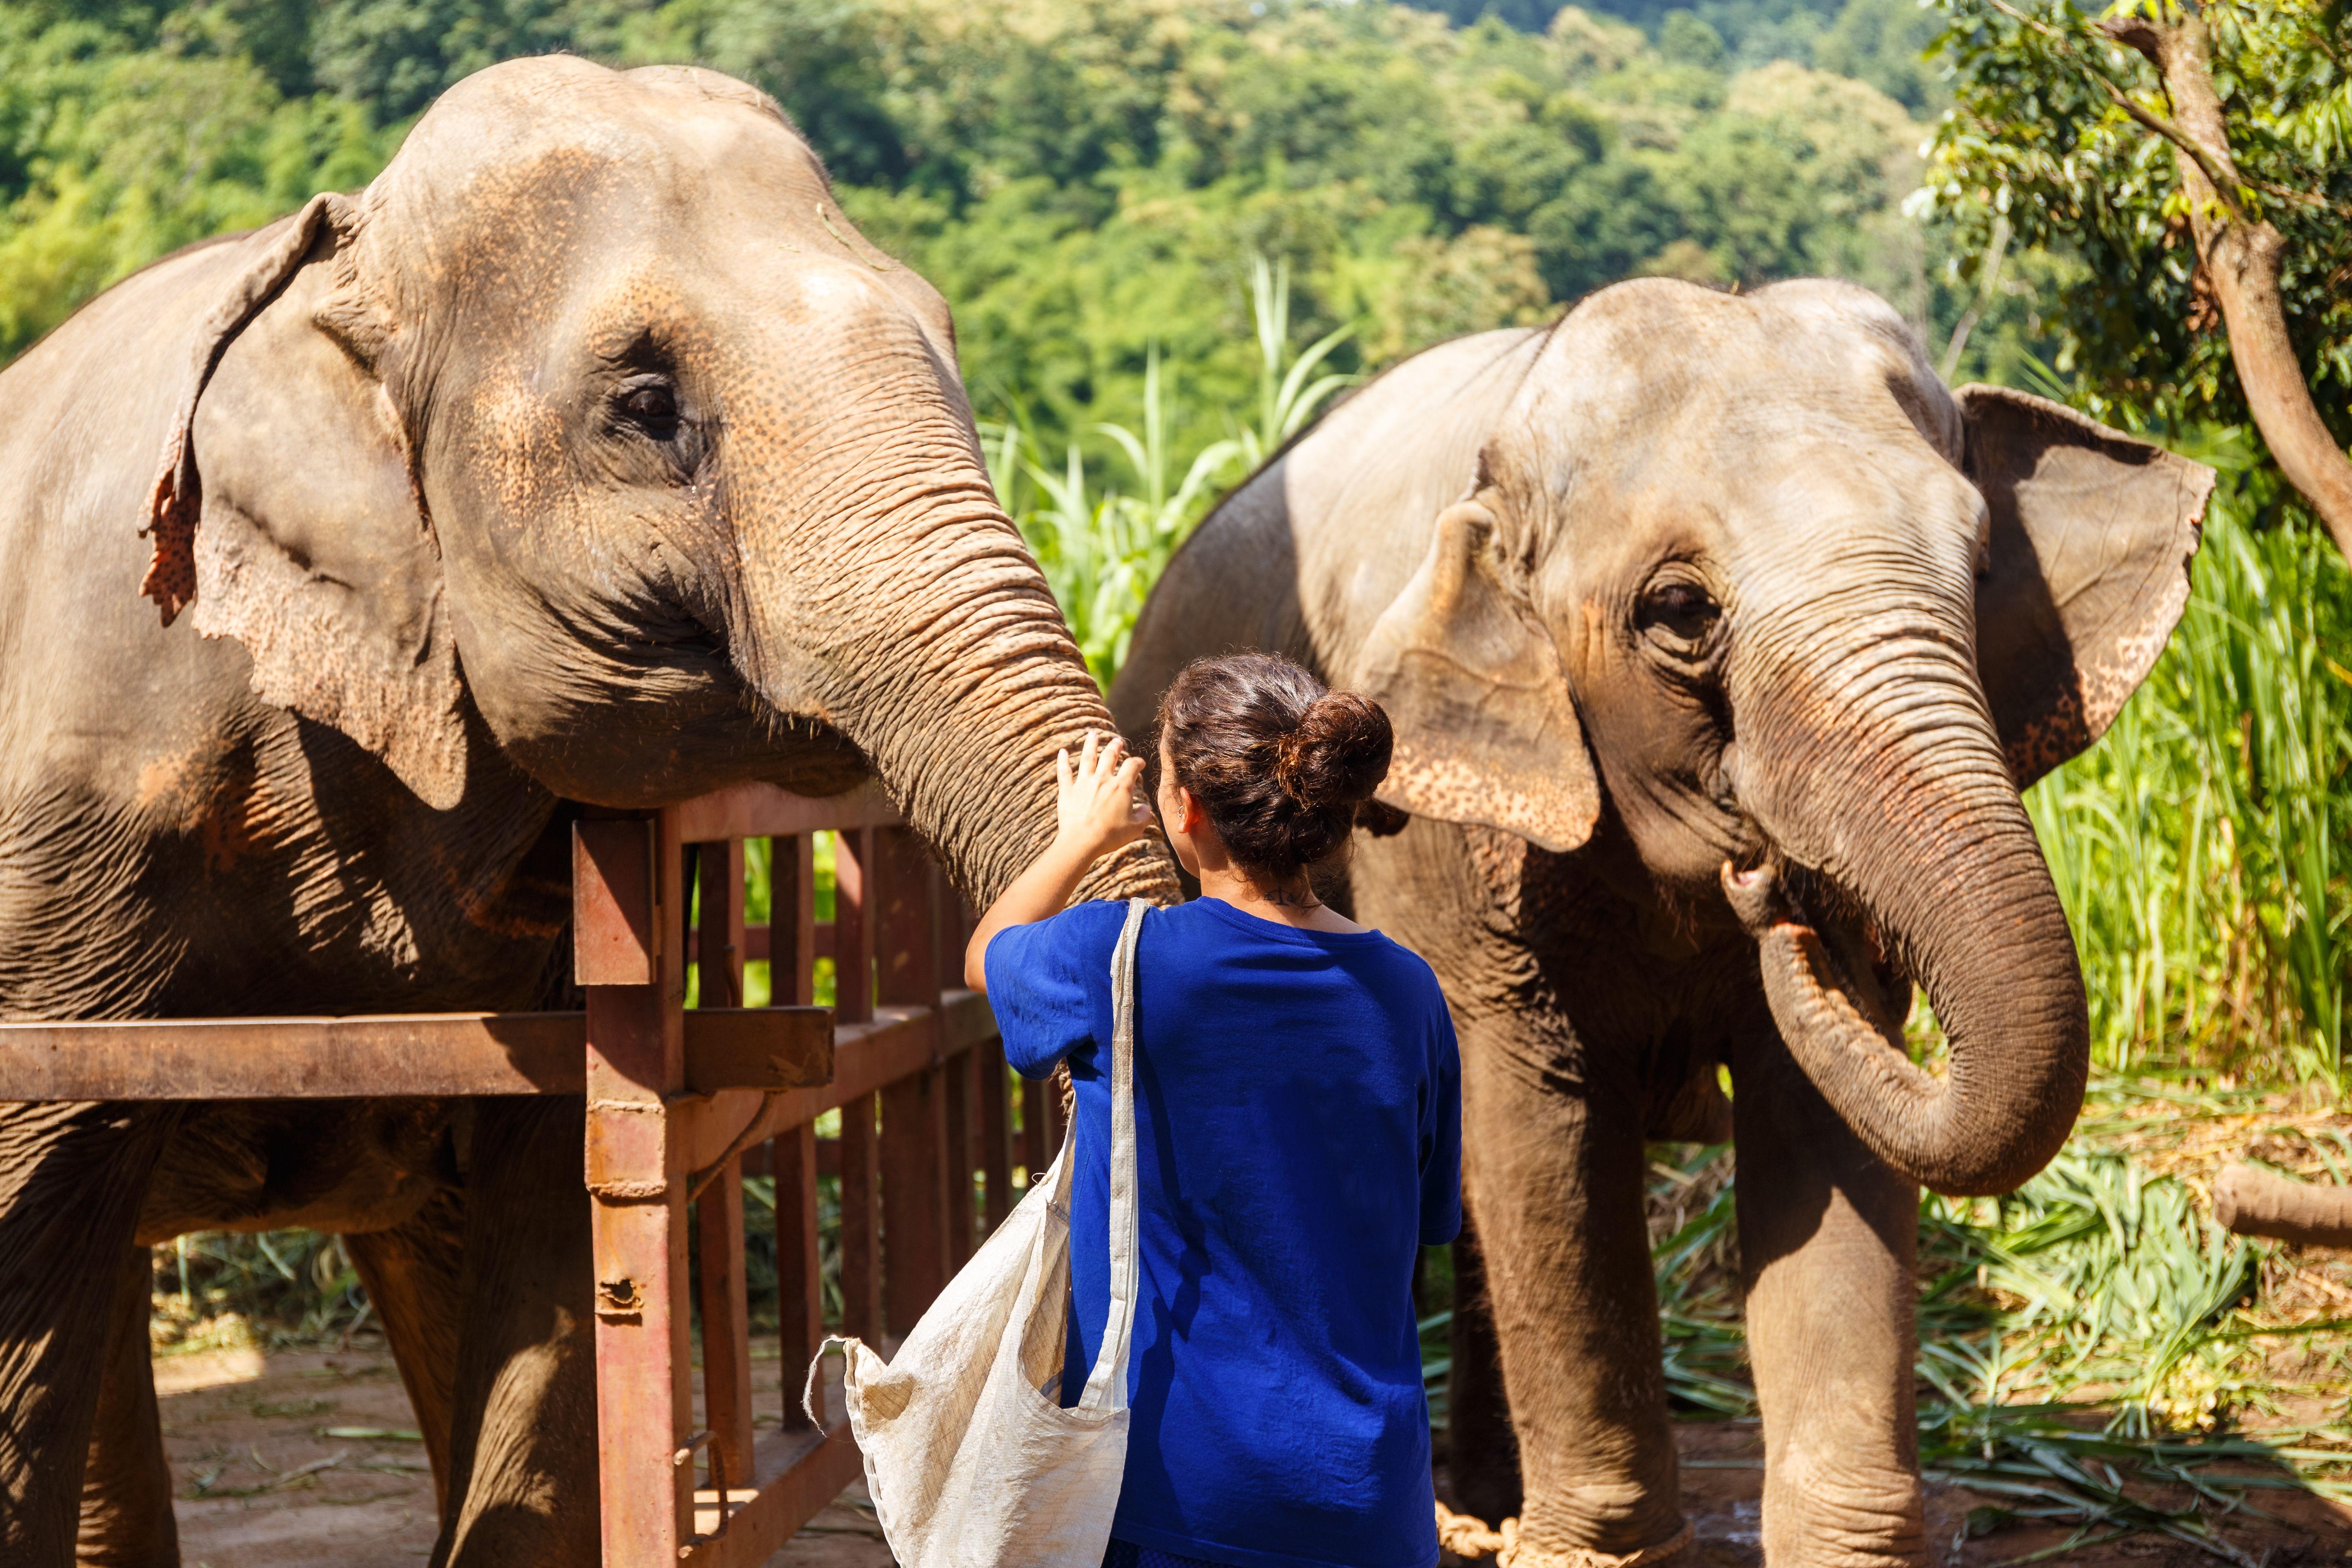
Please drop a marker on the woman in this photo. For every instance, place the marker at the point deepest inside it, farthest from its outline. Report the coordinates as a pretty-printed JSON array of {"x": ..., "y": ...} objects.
[{"x": 1298, "y": 1103}]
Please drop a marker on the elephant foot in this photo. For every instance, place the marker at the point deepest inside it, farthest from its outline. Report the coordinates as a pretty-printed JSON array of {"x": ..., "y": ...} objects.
[{"x": 1469, "y": 1538}]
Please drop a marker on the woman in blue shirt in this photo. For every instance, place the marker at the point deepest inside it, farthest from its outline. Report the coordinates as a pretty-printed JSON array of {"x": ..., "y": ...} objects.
[{"x": 1298, "y": 1105}]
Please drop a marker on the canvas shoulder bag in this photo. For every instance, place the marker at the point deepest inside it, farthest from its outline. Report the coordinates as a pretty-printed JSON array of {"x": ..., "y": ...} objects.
[{"x": 971, "y": 1459}]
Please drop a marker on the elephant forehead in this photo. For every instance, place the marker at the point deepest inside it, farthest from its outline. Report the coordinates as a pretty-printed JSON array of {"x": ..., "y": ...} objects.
[{"x": 1671, "y": 400}]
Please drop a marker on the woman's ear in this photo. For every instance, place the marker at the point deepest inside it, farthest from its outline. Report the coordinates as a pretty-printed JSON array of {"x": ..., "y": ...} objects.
[
  {"x": 2093, "y": 532},
  {"x": 285, "y": 511},
  {"x": 1486, "y": 730}
]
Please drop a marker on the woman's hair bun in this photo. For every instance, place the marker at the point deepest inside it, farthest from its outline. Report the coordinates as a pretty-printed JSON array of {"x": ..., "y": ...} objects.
[
  {"x": 1338, "y": 753},
  {"x": 1285, "y": 768}
]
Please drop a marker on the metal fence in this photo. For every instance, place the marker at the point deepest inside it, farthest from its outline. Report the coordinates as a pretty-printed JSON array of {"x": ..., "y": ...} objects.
[{"x": 682, "y": 1103}]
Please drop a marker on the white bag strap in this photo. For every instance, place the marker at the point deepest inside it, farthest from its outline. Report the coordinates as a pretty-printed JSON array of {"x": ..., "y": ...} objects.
[{"x": 1106, "y": 1388}]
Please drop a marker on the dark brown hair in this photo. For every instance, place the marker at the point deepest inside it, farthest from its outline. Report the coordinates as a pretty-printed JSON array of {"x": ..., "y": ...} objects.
[{"x": 1280, "y": 764}]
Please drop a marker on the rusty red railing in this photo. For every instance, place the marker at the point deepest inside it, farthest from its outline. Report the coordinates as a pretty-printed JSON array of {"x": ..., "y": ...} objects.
[{"x": 682, "y": 1104}]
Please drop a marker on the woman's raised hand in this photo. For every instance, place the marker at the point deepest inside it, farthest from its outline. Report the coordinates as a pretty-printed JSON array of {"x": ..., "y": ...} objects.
[
  {"x": 1096, "y": 811},
  {"x": 1097, "y": 806}
]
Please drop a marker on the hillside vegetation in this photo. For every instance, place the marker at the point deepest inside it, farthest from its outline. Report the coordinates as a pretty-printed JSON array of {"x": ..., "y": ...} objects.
[{"x": 1083, "y": 178}]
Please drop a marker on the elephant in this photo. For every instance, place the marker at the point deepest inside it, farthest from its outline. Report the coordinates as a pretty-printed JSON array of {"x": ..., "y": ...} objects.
[
  {"x": 1718, "y": 637},
  {"x": 587, "y": 459}
]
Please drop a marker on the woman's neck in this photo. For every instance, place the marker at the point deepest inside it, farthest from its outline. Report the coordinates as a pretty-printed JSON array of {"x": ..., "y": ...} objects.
[{"x": 1292, "y": 903}]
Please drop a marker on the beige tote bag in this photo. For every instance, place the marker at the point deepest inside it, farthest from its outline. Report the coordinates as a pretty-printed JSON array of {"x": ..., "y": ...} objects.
[{"x": 971, "y": 1461}]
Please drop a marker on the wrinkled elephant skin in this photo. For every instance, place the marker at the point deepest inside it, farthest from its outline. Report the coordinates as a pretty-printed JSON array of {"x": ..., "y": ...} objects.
[
  {"x": 589, "y": 456},
  {"x": 1720, "y": 637}
]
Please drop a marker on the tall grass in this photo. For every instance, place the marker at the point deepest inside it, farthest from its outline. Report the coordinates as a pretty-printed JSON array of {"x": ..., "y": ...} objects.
[
  {"x": 1103, "y": 547},
  {"x": 2194, "y": 847}
]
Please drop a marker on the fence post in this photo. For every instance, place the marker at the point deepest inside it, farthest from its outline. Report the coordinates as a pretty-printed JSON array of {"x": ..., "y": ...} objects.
[
  {"x": 915, "y": 1171},
  {"x": 628, "y": 901},
  {"x": 995, "y": 1132},
  {"x": 718, "y": 1212},
  {"x": 792, "y": 1157},
  {"x": 861, "y": 1162}
]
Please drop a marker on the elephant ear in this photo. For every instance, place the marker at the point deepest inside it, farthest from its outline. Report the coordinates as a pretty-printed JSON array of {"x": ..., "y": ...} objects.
[
  {"x": 2093, "y": 532},
  {"x": 285, "y": 513},
  {"x": 1486, "y": 730}
]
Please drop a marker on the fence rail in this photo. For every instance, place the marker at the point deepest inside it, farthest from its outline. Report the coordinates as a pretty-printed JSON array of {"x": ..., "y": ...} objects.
[{"x": 681, "y": 1103}]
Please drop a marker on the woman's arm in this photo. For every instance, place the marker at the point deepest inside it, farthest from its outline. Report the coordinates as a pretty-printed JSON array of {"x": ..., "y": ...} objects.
[{"x": 1098, "y": 811}]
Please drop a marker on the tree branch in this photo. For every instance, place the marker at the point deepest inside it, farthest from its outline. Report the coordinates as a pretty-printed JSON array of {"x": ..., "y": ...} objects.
[
  {"x": 2241, "y": 257},
  {"x": 2223, "y": 180}
]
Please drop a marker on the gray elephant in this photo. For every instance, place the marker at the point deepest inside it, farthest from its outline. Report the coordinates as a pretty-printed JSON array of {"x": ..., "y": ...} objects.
[
  {"x": 588, "y": 455},
  {"x": 1719, "y": 638}
]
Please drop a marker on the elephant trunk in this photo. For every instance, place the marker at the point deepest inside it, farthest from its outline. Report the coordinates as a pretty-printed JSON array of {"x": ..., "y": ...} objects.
[
  {"x": 1884, "y": 782},
  {"x": 903, "y": 611}
]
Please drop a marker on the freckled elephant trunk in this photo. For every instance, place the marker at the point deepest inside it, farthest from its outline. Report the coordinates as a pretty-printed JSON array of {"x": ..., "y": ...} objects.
[
  {"x": 935, "y": 647},
  {"x": 1919, "y": 827}
]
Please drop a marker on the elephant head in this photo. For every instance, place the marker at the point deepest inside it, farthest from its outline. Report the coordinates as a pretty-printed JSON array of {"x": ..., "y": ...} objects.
[
  {"x": 1743, "y": 568},
  {"x": 591, "y": 438}
]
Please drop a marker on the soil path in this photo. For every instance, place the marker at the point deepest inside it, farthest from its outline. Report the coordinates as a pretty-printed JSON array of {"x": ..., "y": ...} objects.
[{"x": 296, "y": 1459}]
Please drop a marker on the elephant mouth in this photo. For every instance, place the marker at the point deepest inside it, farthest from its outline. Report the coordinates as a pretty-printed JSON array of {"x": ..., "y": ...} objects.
[{"x": 1853, "y": 953}]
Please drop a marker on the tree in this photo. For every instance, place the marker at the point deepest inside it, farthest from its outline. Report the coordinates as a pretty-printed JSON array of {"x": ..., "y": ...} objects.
[{"x": 2192, "y": 158}]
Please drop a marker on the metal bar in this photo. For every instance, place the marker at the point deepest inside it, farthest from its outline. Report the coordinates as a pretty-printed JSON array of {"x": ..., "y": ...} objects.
[
  {"x": 879, "y": 1053},
  {"x": 957, "y": 1152},
  {"x": 800, "y": 1280},
  {"x": 916, "y": 1179},
  {"x": 1033, "y": 1148},
  {"x": 719, "y": 963},
  {"x": 995, "y": 1134},
  {"x": 726, "y": 1318},
  {"x": 635, "y": 1062},
  {"x": 796, "y": 1474},
  {"x": 791, "y": 972},
  {"x": 423, "y": 1054},
  {"x": 853, "y": 927},
  {"x": 907, "y": 916},
  {"x": 614, "y": 937},
  {"x": 861, "y": 1223},
  {"x": 763, "y": 811},
  {"x": 719, "y": 1212}
]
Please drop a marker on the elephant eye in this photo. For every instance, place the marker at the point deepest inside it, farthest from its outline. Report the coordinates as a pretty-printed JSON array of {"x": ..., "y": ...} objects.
[
  {"x": 1679, "y": 610},
  {"x": 653, "y": 408}
]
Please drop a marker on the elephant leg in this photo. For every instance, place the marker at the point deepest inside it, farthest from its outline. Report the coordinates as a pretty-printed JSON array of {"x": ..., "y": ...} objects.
[
  {"x": 523, "y": 1459},
  {"x": 126, "y": 1483},
  {"x": 1552, "y": 1169},
  {"x": 1483, "y": 1456},
  {"x": 1828, "y": 1236},
  {"x": 415, "y": 1274},
  {"x": 71, "y": 1180}
]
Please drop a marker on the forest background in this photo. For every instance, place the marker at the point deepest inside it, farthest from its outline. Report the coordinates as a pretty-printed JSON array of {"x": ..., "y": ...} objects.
[{"x": 1172, "y": 230}]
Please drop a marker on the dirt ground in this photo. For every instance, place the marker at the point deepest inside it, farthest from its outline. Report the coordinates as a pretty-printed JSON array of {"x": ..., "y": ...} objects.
[
  {"x": 305, "y": 1458},
  {"x": 295, "y": 1459}
]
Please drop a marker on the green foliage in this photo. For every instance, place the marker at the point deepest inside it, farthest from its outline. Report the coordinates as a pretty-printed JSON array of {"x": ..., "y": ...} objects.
[
  {"x": 2039, "y": 145},
  {"x": 1083, "y": 179},
  {"x": 1102, "y": 552},
  {"x": 109, "y": 158}
]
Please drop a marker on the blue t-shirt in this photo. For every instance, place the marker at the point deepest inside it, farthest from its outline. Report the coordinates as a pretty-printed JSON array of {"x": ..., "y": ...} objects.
[{"x": 1299, "y": 1138}]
